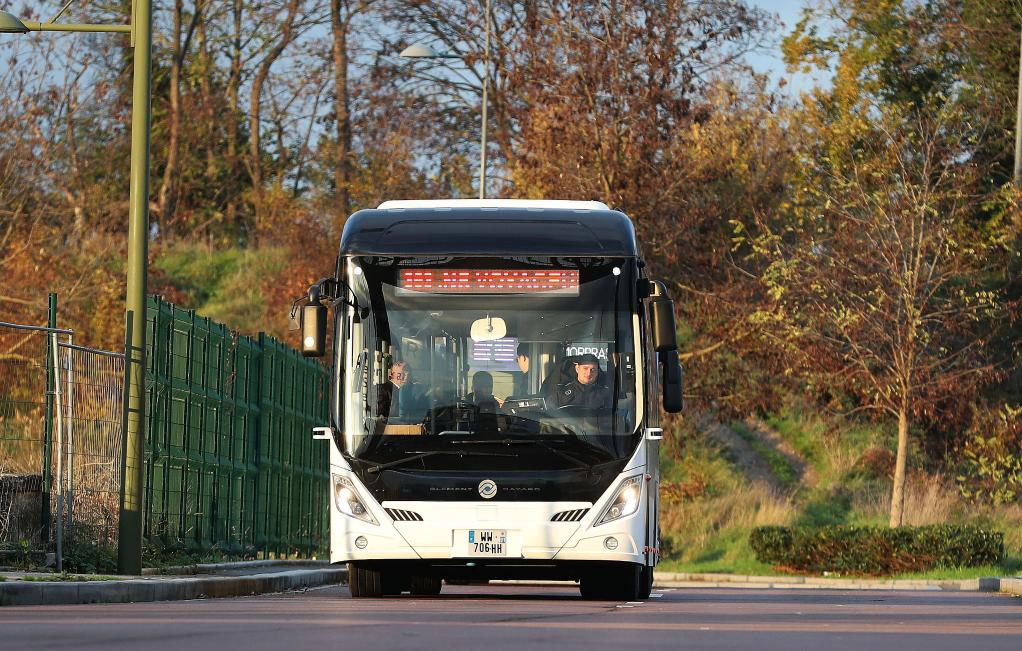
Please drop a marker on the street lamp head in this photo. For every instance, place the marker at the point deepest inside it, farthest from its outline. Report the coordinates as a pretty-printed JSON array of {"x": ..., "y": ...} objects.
[
  {"x": 10, "y": 24},
  {"x": 417, "y": 51},
  {"x": 423, "y": 51}
]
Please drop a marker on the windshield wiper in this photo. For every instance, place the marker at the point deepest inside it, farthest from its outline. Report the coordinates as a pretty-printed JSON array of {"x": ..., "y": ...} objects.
[
  {"x": 578, "y": 461},
  {"x": 422, "y": 455}
]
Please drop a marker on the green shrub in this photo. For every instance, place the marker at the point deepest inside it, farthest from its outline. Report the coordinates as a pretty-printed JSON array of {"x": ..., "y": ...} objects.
[
  {"x": 876, "y": 550},
  {"x": 86, "y": 556},
  {"x": 991, "y": 466}
]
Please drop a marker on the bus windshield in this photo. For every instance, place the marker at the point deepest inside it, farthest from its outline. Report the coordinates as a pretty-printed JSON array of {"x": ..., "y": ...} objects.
[{"x": 491, "y": 363}]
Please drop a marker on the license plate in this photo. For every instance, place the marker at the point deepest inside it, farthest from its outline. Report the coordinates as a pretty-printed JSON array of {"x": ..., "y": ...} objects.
[{"x": 487, "y": 542}]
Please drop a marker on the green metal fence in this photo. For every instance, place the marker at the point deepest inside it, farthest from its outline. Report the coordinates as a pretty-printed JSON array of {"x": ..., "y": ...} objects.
[{"x": 230, "y": 460}]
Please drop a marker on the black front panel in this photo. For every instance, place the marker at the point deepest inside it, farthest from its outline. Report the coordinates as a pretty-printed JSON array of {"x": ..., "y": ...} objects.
[{"x": 581, "y": 485}]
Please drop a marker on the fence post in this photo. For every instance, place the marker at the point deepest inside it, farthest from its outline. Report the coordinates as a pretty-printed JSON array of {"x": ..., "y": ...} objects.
[
  {"x": 45, "y": 515},
  {"x": 69, "y": 399},
  {"x": 60, "y": 453},
  {"x": 260, "y": 520}
]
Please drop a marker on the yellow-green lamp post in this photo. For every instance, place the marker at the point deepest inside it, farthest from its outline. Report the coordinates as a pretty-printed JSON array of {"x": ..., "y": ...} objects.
[{"x": 129, "y": 553}]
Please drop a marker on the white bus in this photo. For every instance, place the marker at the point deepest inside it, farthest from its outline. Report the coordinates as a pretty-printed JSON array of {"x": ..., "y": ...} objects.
[{"x": 499, "y": 367}]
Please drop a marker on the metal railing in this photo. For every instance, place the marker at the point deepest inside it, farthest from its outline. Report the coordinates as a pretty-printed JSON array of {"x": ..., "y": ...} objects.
[
  {"x": 230, "y": 461},
  {"x": 230, "y": 464},
  {"x": 25, "y": 395},
  {"x": 90, "y": 405},
  {"x": 59, "y": 440}
]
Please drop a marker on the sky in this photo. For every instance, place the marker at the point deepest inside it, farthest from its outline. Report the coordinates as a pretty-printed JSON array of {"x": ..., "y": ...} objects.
[{"x": 770, "y": 61}]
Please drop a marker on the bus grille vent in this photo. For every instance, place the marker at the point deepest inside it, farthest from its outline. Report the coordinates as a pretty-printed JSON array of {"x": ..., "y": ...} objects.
[
  {"x": 404, "y": 516},
  {"x": 569, "y": 516}
]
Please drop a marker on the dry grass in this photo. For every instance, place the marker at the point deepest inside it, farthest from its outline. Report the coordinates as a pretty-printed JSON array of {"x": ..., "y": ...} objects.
[
  {"x": 929, "y": 499},
  {"x": 839, "y": 460},
  {"x": 694, "y": 525}
]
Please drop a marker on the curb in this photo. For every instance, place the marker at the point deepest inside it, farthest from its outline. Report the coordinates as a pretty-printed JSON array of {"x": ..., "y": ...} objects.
[
  {"x": 1012, "y": 586},
  {"x": 700, "y": 580},
  {"x": 38, "y": 593},
  {"x": 211, "y": 568}
]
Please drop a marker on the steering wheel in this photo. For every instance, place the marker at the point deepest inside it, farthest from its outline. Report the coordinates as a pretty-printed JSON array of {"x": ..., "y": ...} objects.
[{"x": 573, "y": 410}]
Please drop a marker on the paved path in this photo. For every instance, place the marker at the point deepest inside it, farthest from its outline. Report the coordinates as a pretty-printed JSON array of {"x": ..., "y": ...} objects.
[{"x": 518, "y": 617}]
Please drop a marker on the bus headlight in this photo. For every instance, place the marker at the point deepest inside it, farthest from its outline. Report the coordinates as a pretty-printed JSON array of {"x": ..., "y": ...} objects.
[
  {"x": 347, "y": 501},
  {"x": 625, "y": 503}
]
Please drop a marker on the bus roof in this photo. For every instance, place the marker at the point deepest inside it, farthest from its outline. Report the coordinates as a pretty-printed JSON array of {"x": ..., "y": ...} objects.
[
  {"x": 489, "y": 227},
  {"x": 557, "y": 204}
]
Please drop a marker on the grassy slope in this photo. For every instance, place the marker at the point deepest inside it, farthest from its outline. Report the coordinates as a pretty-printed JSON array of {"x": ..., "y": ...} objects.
[
  {"x": 706, "y": 524},
  {"x": 225, "y": 285}
]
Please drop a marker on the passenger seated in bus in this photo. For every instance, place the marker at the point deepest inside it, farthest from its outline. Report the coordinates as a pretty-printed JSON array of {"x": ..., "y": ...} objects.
[
  {"x": 520, "y": 377},
  {"x": 398, "y": 397},
  {"x": 482, "y": 391},
  {"x": 483, "y": 399},
  {"x": 587, "y": 389}
]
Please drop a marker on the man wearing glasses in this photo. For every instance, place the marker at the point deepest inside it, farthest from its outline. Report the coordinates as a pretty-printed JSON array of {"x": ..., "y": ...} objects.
[{"x": 397, "y": 398}]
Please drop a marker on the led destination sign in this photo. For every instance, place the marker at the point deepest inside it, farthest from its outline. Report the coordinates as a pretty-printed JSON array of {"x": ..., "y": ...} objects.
[{"x": 489, "y": 281}]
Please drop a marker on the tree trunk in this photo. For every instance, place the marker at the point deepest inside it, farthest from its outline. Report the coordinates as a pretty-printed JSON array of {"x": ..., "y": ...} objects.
[
  {"x": 255, "y": 169},
  {"x": 209, "y": 123},
  {"x": 165, "y": 198},
  {"x": 342, "y": 110},
  {"x": 234, "y": 102},
  {"x": 898, "y": 493}
]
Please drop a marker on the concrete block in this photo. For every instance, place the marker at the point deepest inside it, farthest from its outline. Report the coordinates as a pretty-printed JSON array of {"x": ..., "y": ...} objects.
[
  {"x": 223, "y": 586},
  {"x": 176, "y": 590},
  {"x": 99, "y": 592},
  {"x": 136, "y": 590},
  {"x": 57, "y": 592},
  {"x": 989, "y": 583},
  {"x": 20, "y": 593}
]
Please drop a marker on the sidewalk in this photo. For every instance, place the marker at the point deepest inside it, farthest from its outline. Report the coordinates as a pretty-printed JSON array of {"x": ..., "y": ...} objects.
[
  {"x": 186, "y": 582},
  {"x": 260, "y": 577},
  {"x": 695, "y": 580}
]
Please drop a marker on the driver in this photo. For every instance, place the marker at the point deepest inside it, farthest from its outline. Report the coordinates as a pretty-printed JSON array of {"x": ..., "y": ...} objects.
[
  {"x": 587, "y": 389},
  {"x": 398, "y": 397}
]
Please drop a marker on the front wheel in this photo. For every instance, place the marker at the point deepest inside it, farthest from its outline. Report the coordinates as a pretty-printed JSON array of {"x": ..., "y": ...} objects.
[
  {"x": 647, "y": 582},
  {"x": 616, "y": 582},
  {"x": 365, "y": 582},
  {"x": 425, "y": 586}
]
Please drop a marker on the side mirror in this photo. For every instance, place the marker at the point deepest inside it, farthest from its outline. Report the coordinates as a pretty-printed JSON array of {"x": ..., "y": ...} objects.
[
  {"x": 665, "y": 331},
  {"x": 671, "y": 381},
  {"x": 314, "y": 330}
]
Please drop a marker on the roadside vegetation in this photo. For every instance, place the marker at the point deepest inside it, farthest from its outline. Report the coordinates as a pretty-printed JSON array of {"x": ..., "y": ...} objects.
[{"x": 710, "y": 505}]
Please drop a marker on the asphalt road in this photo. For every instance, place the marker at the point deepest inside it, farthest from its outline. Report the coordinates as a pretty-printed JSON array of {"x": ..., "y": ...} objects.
[{"x": 491, "y": 618}]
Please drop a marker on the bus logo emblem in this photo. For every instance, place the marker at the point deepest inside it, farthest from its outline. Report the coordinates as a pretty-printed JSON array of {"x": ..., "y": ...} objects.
[{"x": 487, "y": 489}]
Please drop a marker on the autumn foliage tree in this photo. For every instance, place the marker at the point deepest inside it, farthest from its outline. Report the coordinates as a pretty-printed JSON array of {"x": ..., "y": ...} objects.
[
  {"x": 649, "y": 108},
  {"x": 876, "y": 272}
]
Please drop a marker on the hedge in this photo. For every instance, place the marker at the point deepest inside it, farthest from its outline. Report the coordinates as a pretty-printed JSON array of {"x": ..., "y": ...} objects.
[{"x": 876, "y": 550}]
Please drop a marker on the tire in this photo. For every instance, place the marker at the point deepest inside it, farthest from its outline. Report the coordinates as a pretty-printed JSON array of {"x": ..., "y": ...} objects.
[
  {"x": 631, "y": 582},
  {"x": 616, "y": 582},
  {"x": 394, "y": 583},
  {"x": 425, "y": 586},
  {"x": 647, "y": 582},
  {"x": 593, "y": 587},
  {"x": 364, "y": 582}
]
